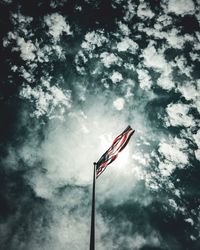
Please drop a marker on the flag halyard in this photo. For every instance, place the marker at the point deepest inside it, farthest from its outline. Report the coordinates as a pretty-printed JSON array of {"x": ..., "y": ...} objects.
[{"x": 111, "y": 154}]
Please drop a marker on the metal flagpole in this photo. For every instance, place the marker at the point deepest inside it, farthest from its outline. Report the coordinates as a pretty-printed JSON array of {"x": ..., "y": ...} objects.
[{"x": 92, "y": 230}]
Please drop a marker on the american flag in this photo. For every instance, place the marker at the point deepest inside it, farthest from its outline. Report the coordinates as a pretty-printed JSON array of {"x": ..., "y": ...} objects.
[{"x": 111, "y": 154}]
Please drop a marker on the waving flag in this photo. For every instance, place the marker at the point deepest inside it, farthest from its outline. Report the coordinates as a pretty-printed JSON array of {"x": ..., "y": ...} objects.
[{"x": 111, "y": 154}]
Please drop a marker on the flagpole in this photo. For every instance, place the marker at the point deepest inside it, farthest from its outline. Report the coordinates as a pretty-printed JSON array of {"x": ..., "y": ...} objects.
[{"x": 92, "y": 230}]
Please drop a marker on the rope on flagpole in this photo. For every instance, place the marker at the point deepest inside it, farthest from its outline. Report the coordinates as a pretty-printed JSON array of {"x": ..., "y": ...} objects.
[{"x": 92, "y": 230}]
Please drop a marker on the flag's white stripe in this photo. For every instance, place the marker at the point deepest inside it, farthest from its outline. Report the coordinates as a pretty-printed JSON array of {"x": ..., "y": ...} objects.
[
  {"x": 102, "y": 168},
  {"x": 118, "y": 145},
  {"x": 116, "y": 149}
]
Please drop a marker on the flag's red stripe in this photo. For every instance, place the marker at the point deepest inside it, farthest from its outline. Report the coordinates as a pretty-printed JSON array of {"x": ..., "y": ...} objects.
[
  {"x": 111, "y": 154},
  {"x": 123, "y": 143},
  {"x": 120, "y": 141},
  {"x": 119, "y": 136},
  {"x": 132, "y": 132}
]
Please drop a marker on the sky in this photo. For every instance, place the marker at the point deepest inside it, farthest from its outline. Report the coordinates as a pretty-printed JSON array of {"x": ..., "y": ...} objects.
[{"x": 74, "y": 75}]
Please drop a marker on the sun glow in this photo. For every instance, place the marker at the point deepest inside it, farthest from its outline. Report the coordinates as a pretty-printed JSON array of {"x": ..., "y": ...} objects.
[{"x": 123, "y": 156}]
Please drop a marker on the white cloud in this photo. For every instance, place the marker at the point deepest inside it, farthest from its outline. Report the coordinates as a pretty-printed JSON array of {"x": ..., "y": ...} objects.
[
  {"x": 178, "y": 115},
  {"x": 189, "y": 91},
  {"x": 197, "y": 154},
  {"x": 190, "y": 221},
  {"x": 80, "y": 60},
  {"x": 173, "y": 151},
  {"x": 25, "y": 73},
  {"x": 181, "y": 7},
  {"x": 119, "y": 103},
  {"x": 10, "y": 36},
  {"x": 164, "y": 20},
  {"x": 166, "y": 168},
  {"x": 173, "y": 204},
  {"x": 182, "y": 64},
  {"x": 127, "y": 44},
  {"x": 57, "y": 25},
  {"x": 93, "y": 39},
  {"x": 129, "y": 66},
  {"x": 197, "y": 141},
  {"x": 7, "y": 1},
  {"x": 27, "y": 49},
  {"x": 108, "y": 59},
  {"x": 156, "y": 60},
  {"x": 22, "y": 21},
  {"x": 137, "y": 241},
  {"x": 25, "y": 46},
  {"x": 173, "y": 37},
  {"x": 35, "y": 51},
  {"x": 57, "y": 3},
  {"x": 47, "y": 99},
  {"x": 144, "y": 11},
  {"x": 116, "y": 77},
  {"x": 130, "y": 10},
  {"x": 62, "y": 227},
  {"x": 176, "y": 40},
  {"x": 144, "y": 79},
  {"x": 124, "y": 29},
  {"x": 173, "y": 155},
  {"x": 141, "y": 159},
  {"x": 165, "y": 82},
  {"x": 194, "y": 56}
]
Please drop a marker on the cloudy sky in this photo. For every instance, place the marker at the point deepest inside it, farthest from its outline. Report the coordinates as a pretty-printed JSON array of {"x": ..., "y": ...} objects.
[{"x": 74, "y": 74}]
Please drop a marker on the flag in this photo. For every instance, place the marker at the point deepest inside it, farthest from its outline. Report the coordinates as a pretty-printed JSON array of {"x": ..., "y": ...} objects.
[{"x": 111, "y": 154}]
